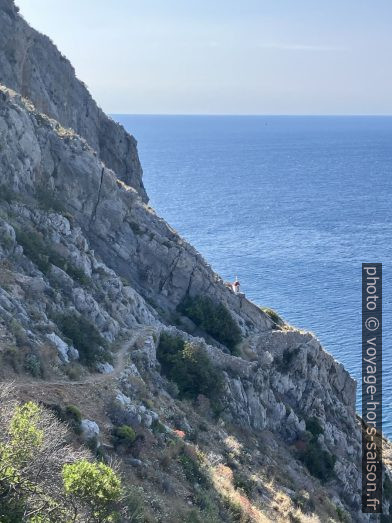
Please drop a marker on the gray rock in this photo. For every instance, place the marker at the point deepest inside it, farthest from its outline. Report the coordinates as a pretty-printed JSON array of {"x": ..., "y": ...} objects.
[
  {"x": 39, "y": 72},
  {"x": 147, "y": 420},
  {"x": 61, "y": 346},
  {"x": 90, "y": 429},
  {"x": 105, "y": 368},
  {"x": 135, "y": 462}
]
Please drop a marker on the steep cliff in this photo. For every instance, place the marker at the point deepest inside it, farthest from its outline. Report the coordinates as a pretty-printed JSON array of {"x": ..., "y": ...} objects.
[
  {"x": 256, "y": 427},
  {"x": 32, "y": 65}
]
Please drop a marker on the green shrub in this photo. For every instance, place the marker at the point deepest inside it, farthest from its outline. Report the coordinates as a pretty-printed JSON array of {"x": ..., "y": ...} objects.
[
  {"x": 48, "y": 201},
  {"x": 304, "y": 502},
  {"x": 319, "y": 462},
  {"x": 242, "y": 482},
  {"x": 208, "y": 505},
  {"x": 284, "y": 364},
  {"x": 172, "y": 389},
  {"x": 73, "y": 371},
  {"x": 342, "y": 515},
  {"x": 235, "y": 510},
  {"x": 124, "y": 435},
  {"x": 273, "y": 315},
  {"x": 76, "y": 274},
  {"x": 188, "y": 365},
  {"x": 72, "y": 412},
  {"x": 213, "y": 318},
  {"x": 41, "y": 479},
  {"x": 12, "y": 511},
  {"x": 95, "y": 484},
  {"x": 314, "y": 427},
  {"x": 134, "y": 505},
  {"x": 34, "y": 248},
  {"x": 193, "y": 516},
  {"x": 8, "y": 195},
  {"x": 18, "y": 447},
  {"x": 32, "y": 365},
  {"x": 86, "y": 339},
  {"x": 158, "y": 427},
  {"x": 193, "y": 471},
  {"x": 19, "y": 333},
  {"x": 43, "y": 255},
  {"x": 137, "y": 230}
]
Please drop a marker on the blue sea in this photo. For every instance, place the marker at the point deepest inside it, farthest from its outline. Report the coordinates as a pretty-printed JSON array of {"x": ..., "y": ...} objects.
[{"x": 292, "y": 205}]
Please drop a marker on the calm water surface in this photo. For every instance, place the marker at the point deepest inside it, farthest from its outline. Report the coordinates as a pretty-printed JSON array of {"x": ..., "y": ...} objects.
[{"x": 292, "y": 205}]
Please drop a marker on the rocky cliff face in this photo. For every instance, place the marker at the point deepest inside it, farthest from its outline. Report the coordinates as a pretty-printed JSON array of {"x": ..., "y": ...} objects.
[
  {"x": 32, "y": 65},
  {"x": 77, "y": 239}
]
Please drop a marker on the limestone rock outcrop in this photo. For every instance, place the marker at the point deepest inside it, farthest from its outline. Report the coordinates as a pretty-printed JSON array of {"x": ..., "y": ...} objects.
[{"x": 32, "y": 65}]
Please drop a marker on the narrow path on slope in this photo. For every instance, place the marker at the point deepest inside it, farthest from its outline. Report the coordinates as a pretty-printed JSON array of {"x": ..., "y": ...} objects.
[{"x": 121, "y": 362}]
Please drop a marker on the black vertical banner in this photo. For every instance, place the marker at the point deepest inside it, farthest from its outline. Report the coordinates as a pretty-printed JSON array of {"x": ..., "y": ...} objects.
[{"x": 372, "y": 388}]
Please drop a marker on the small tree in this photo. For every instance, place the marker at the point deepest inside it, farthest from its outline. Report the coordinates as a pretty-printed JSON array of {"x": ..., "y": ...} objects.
[
  {"x": 32, "y": 444},
  {"x": 214, "y": 318},
  {"x": 188, "y": 365},
  {"x": 96, "y": 485},
  {"x": 44, "y": 479},
  {"x": 92, "y": 347}
]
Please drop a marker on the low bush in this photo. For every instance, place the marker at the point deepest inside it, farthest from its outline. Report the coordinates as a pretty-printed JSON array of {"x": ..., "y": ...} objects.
[
  {"x": 73, "y": 412},
  {"x": 208, "y": 505},
  {"x": 74, "y": 371},
  {"x": 244, "y": 483},
  {"x": 124, "y": 435},
  {"x": 314, "y": 427},
  {"x": 92, "y": 347},
  {"x": 32, "y": 365},
  {"x": 343, "y": 516},
  {"x": 135, "y": 505},
  {"x": 43, "y": 255},
  {"x": 304, "y": 502},
  {"x": 158, "y": 427},
  {"x": 5, "y": 194},
  {"x": 213, "y": 318},
  {"x": 235, "y": 511},
  {"x": 34, "y": 248},
  {"x": 95, "y": 484},
  {"x": 188, "y": 365},
  {"x": 193, "y": 470},
  {"x": 172, "y": 389},
  {"x": 284, "y": 364},
  {"x": 48, "y": 201},
  {"x": 13, "y": 357},
  {"x": 319, "y": 462},
  {"x": 273, "y": 315},
  {"x": 76, "y": 274},
  {"x": 21, "y": 338},
  {"x": 43, "y": 478}
]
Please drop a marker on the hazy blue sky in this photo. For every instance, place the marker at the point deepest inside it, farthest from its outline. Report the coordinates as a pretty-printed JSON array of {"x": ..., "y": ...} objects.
[{"x": 226, "y": 56}]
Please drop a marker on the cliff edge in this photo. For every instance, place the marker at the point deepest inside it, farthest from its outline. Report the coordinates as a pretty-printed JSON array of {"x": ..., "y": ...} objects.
[{"x": 32, "y": 65}]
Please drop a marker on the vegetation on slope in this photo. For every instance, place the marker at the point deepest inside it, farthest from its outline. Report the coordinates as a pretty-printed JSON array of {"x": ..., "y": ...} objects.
[
  {"x": 43, "y": 255},
  {"x": 213, "y": 318},
  {"x": 43, "y": 478},
  {"x": 92, "y": 347},
  {"x": 273, "y": 315},
  {"x": 318, "y": 461},
  {"x": 188, "y": 365}
]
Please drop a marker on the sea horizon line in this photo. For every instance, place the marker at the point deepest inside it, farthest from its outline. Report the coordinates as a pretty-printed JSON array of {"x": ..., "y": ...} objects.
[{"x": 266, "y": 115}]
